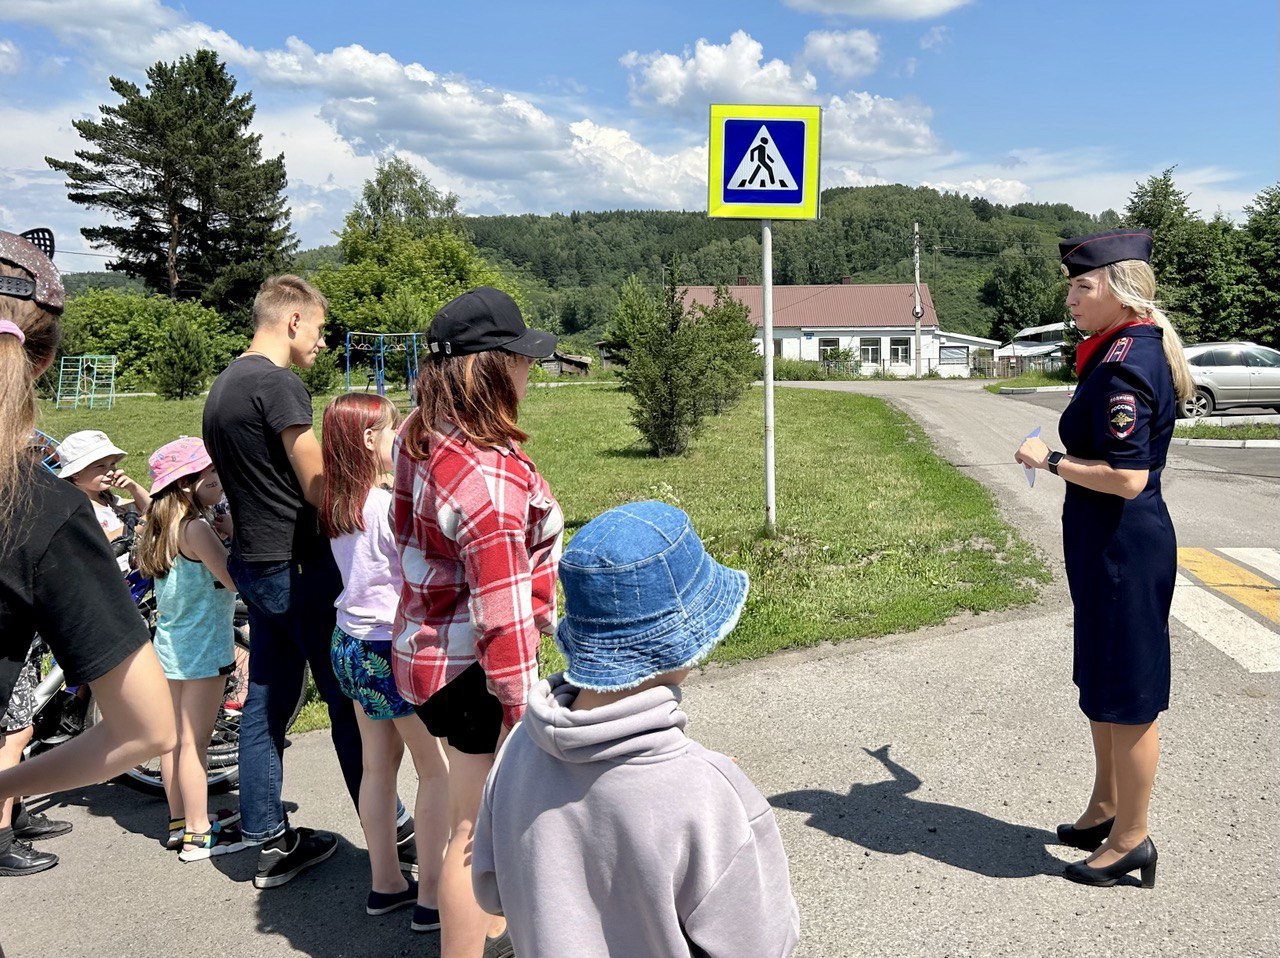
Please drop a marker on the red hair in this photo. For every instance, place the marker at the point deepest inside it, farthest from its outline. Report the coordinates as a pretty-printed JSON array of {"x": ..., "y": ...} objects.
[{"x": 350, "y": 467}]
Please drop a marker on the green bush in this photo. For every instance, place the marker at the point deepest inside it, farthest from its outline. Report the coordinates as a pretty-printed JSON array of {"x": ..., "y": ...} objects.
[
  {"x": 662, "y": 374},
  {"x": 132, "y": 327},
  {"x": 183, "y": 361},
  {"x": 322, "y": 376}
]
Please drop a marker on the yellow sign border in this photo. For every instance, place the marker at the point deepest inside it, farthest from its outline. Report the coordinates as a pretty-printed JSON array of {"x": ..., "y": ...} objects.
[{"x": 805, "y": 210}]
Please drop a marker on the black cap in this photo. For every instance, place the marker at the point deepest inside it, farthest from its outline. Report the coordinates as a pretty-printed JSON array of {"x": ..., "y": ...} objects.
[
  {"x": 1086, "y": 253},
  {"x": 483, "y": 319}
]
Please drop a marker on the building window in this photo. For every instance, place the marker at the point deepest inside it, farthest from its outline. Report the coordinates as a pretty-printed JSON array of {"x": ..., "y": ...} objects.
[
  {"x": 954, "y": 354},
  {"x": 777, "y": 348},
  {"x": 869, "y": 350},
  {"x": 900, "y": 350},
  {"x": 826, "y": 347}
]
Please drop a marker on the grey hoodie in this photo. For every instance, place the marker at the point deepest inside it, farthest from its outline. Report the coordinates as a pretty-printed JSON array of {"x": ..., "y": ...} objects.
[{"x": 610, "y": 832}]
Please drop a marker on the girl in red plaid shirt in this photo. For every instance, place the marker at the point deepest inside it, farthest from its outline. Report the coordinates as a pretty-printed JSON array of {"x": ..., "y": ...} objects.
[{"x": 479, "y": 536}]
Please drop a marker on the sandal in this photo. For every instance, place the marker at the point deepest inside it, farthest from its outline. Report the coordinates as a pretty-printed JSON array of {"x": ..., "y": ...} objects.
[
  {"x": 216, "y": 841},
  {"x": 178, "y": 827}
]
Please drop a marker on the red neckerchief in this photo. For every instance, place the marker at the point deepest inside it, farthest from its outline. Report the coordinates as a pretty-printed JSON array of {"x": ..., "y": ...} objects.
[{"x": 1087, "y": 348}]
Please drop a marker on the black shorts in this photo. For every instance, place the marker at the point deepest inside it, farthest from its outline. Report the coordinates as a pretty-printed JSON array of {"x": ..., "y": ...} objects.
[{"x": 464, "y": 713}]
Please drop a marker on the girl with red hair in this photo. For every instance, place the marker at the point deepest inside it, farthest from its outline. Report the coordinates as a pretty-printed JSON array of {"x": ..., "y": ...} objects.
[{"x": 355, "y": 515}]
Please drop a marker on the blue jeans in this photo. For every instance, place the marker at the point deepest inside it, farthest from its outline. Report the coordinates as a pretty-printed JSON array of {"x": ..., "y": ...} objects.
[{"x": 291, "y": 620}]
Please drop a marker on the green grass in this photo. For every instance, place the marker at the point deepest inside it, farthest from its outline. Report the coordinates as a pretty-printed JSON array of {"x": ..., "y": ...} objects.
[
  {"x": 876, "y": 534},
  {"x": 1204, "y": 430},
  {"x": 1030, "y": 379}
]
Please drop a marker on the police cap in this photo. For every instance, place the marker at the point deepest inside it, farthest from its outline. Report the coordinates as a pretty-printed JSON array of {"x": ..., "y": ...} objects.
[{"x": 1086, "y": 253}]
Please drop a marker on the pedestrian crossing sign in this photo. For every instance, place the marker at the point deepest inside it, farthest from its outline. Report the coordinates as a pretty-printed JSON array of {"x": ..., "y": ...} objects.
[{"x": 764, "y": 162}]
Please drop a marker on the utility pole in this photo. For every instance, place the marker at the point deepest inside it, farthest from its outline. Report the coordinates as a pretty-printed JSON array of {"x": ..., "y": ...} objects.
[{"x": 917, "y": 311}]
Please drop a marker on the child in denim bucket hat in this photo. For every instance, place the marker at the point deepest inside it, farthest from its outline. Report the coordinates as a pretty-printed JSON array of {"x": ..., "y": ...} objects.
[{"x": 604, "y": 829}]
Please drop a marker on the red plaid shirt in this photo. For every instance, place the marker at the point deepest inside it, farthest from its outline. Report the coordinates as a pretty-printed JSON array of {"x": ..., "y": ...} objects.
[{"x": 479, "y": 535}]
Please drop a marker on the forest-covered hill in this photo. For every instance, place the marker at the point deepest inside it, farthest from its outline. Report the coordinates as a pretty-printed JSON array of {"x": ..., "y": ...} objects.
[{"x": 864, "y": 232}]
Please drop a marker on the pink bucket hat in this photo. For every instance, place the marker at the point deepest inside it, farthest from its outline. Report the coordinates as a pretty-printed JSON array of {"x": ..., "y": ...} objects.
[{"x": 182, "y": 457}]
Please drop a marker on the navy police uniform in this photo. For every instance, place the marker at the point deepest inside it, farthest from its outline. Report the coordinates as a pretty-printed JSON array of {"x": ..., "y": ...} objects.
[{"x": 1121, "y": 554}]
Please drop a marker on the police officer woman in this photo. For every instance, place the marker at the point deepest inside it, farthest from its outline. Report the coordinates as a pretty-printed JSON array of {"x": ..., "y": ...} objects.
[{"x": 1118, "y": 540}]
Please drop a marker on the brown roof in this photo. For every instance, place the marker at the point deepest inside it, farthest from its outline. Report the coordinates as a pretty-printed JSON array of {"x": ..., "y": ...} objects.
[{"x": 835, "y": 306}]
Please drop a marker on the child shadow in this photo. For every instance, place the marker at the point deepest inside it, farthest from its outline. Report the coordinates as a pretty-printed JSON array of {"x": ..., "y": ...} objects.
[
  {"x": 883, "y": 817},
  {"x": 321, "y": 911}
]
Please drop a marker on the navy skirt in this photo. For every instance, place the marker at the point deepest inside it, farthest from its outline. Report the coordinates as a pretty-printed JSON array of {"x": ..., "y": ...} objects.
[{"x": 1122, "y": 558}]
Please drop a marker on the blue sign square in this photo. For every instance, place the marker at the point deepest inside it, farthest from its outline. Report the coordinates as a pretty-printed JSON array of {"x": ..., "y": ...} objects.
[{"x": 763, "y": 172}]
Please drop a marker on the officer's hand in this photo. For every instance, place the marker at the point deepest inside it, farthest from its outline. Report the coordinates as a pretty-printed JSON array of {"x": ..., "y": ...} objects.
[{"x": 1034, "y": 453}]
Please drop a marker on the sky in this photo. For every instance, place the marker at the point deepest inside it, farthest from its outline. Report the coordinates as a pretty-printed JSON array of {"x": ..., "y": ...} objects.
[{"x": 549, "y": 105}]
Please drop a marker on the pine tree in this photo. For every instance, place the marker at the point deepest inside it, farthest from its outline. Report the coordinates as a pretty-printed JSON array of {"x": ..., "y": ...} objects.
[
  {"x": 183, "y": 362},
  {"x": 199, "y": 213}
]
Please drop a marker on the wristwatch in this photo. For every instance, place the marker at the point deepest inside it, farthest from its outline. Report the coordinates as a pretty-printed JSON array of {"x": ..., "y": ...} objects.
[{"x": 1054, "y": 459}]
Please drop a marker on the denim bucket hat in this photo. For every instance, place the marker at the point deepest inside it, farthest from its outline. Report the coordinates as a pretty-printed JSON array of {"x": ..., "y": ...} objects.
[{"x": 642, "y": 597}]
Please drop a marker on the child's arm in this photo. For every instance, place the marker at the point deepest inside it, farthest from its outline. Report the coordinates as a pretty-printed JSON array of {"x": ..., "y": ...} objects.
[
  {"x": 746, "y": 909},
  {"x": 141, "y": 500},
  {"x": 198, "y": 540}
]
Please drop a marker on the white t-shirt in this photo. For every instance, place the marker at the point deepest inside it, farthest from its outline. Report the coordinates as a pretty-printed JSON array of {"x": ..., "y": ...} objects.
[{"x": 370, "y": 567}]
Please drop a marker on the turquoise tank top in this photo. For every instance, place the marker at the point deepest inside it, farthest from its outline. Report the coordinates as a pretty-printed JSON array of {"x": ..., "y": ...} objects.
[{"x": 194, "y": 637}]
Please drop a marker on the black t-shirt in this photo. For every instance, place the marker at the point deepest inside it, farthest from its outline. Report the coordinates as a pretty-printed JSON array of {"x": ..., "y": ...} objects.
[
  {"x": 59, "y": 578},
  {"x": 250, "y": 404}
]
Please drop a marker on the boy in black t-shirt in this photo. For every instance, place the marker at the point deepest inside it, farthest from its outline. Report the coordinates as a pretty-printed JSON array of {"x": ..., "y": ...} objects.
[{"x": 257, "y": 428}]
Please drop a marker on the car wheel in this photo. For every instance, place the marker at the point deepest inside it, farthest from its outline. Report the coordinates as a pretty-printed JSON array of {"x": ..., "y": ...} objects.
[{"x": 1198, "y": 405}]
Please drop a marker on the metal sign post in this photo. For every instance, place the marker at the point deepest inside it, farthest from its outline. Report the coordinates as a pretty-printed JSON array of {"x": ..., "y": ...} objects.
[
  {"x": 766, "y": 275},
  {"x": 764, "y": 164}
]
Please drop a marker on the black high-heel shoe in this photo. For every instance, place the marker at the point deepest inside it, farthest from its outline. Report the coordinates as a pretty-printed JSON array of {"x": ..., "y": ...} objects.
[
  {"x": 1143, "y": 857},
  {"x": 1086, "y": 839}
]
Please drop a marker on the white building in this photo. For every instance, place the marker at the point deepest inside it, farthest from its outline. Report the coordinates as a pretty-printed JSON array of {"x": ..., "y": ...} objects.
[{"x": 873, "y": 321}]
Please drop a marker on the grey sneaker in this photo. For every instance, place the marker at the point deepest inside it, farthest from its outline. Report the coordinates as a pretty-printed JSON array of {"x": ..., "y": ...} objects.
[
  {"x": 282, "y": 859},
  {"x": 499, "y": 947}
]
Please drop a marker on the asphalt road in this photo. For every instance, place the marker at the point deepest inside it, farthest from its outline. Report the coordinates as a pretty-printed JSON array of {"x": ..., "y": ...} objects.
[{"x": 917, "y": 780}]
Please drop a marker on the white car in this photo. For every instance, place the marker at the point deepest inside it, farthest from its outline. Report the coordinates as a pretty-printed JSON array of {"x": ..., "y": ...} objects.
[{"x": 1232, "y": 374}]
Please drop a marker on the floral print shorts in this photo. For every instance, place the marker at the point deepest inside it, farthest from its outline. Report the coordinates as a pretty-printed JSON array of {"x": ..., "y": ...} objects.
[{"x": 364, "y": 674}]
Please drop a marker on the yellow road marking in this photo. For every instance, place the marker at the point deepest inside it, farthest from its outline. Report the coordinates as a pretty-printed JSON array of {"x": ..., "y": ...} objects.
[{"x": 1250, "y": 590}]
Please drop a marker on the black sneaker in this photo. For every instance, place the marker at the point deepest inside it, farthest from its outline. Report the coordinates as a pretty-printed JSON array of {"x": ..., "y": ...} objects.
[
  {"x": 425, "y": 919},
  {"x": 33, "y": 827},
  {"x": 21, "y": 859},
  {"x": 383, "y": 903},
  {"x": 283, "y": 858}
]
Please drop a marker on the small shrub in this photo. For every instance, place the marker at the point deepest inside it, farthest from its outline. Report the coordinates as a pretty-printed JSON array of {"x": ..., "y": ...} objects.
[
  {"x": 322, "y": 377},
  {"x": 183, "y": 360}
]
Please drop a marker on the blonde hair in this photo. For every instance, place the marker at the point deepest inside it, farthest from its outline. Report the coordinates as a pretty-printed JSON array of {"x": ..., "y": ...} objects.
[
  {"x": 1133, "y": 283},
  {"x": 159, "y": 536},
  {"x": 282, "y": 295},
  {"x": 18, "y": 364}
]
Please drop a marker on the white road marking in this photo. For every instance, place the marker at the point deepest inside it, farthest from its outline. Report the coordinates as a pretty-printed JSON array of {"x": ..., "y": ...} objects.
[
  {"x": 1249, "y": 642},
  {"x": 1266, "y": 561}
]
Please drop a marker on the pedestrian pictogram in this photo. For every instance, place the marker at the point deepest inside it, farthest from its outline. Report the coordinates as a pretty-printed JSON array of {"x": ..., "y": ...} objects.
[
  {"x": 764, "y": 161},
  {"x": 763, "y": 168}
]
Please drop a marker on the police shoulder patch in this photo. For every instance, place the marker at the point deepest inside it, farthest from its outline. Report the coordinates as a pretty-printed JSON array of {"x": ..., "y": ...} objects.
[
  {"x": 1119, "y": 350},
  {"x": 1122, "y": 414}
]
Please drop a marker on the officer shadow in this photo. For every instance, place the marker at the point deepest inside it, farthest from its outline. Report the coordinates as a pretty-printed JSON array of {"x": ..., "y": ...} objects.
[{"x": 883, "y": 817}]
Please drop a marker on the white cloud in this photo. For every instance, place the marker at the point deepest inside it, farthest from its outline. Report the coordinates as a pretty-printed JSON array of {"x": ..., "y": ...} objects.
[
  {"x": 865, "y": 127},
  {"x": 10, "y": 57},
  {"x": 879, "y": 9},
  {"x": 936, "y": 37},
  {"x": 999, "y": 190},
  {"x": 846, "y": 55},
  {"x": 733, "y": 72}
]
